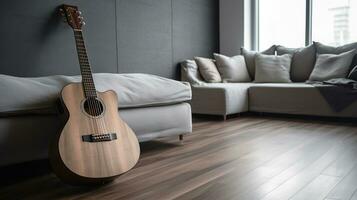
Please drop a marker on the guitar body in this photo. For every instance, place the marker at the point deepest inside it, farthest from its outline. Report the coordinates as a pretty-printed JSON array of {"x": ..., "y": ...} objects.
[
  {"x": 99, "y": 157},
  {"x": 95, "y": 145}
]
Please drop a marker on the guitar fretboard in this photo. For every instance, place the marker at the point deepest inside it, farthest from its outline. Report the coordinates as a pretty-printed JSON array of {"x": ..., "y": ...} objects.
[{"x": 87, "y": 78}]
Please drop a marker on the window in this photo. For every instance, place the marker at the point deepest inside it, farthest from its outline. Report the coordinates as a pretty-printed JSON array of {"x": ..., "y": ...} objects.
[
  {"x": 294, "y": 23},
  {"x": 281, "y": 22},
  {"x": 334, "y": 22}
]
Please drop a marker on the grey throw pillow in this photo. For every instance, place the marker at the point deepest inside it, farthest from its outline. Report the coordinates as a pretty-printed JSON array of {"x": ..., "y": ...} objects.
[
  {"x": 208, "y": 70},
  {"x": 329, "y": 66},
  {"x": 272, "y": 69},
  {"x": 232, "y": 69},
  {"x": 302, "y": 63},
  {"x": 353, "y": 74},
  {"x": 249, "y": 57},
  {"x": 325, "y": 49},
  {"x": 190, "y": 73}
]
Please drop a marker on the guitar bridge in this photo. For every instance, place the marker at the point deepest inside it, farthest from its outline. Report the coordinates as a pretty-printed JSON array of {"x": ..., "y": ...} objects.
[{"x": 99, "y": 137}]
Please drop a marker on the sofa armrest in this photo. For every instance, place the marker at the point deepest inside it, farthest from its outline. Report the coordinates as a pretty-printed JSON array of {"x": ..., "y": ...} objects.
[
  {"x": 209, "y": 100},
  {"x": 220, "y": 98}
]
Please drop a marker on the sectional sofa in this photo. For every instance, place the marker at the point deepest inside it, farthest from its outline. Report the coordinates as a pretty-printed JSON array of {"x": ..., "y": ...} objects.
[{"x": 296, "y": 97}]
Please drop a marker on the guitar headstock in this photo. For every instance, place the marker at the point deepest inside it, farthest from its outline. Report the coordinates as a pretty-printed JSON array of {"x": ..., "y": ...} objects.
[{"x": 72, "y": 16}]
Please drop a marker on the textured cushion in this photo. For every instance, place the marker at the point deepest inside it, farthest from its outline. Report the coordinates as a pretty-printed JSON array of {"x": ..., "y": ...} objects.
[
  {"x": 325, "y": 49},
  {"x": 272, "y": 69},
  {"x": 302, "y": 63},
  {"x": 208, "y": 70},
  {"x": 249, "y": 57},
  {"x": 330, "y": 66},
  {"x": 232, "y": 69},
  {"x": 293, "y": 98},
  {"x": 190, "y": 73},
  {"x": 353, "y": 74},
  {"x": 134, "y": 90}
]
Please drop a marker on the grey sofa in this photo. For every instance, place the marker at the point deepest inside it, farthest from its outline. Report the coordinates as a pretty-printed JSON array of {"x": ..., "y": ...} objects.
[
  {"x": 231, "y": 98},
  {"x": 152, "y": 106}
]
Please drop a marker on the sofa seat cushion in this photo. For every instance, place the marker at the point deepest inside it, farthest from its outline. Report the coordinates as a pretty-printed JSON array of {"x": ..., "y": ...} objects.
[
  {"x": 293, "y": 98},
  {"x": 220, "y": 98},
  {"x": 28, "y": 95}
]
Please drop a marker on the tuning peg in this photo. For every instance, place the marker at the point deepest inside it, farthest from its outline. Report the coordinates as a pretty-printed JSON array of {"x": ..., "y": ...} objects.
[
  {"x": 83, "y": 23},
  {"x": 79, "y": 12}
]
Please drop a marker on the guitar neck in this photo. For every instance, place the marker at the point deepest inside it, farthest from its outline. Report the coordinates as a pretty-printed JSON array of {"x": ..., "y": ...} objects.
[{"x": 86, "y": 72}]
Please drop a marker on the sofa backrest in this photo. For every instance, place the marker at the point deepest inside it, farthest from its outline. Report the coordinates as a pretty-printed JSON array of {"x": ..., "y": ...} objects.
[{"x": 302, "y": 63}]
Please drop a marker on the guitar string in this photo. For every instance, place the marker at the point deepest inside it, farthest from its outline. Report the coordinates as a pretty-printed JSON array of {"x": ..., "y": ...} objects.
[
  {"x": 99, "y": 122},
  {"x": 89, "y": 99},
  {"x": 97, "y": 110},
  {"x": 95, "y": 103},
  {"x": 92, "y": 121},
  {"x": 90, "y": 104}
]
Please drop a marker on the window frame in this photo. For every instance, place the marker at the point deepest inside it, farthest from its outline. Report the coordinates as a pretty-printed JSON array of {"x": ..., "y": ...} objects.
[{"x": 255, "y": 18}]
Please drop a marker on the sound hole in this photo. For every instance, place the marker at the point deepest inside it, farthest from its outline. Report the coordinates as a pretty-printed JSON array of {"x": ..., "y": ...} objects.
[{"x": 93, "y": 107}]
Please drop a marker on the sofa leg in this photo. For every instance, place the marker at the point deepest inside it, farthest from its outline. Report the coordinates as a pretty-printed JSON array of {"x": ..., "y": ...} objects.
[
  {"x": 181, "y": 137},
  {"x": 224, "y": 117}
]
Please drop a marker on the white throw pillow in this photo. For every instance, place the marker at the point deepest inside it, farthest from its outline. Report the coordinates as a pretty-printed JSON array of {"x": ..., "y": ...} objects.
[
  {"x": 272, "y": 69},
  {"x": 232, "y": 69}
]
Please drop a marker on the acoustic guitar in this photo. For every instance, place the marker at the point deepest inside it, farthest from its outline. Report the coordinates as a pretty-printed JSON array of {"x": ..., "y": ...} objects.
[{"x": 95, "y": 145}]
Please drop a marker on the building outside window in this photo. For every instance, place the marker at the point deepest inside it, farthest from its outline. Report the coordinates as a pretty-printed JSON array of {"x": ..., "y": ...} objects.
[{"x": 332, "y": 21}]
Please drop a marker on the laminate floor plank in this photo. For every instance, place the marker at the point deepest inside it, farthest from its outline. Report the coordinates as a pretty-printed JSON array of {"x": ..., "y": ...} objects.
[
  {"x": 310, "y": 156},
  {"x": 204, "y": 146},
  {"x": 345, "y": 189},
  {"x": 244, "y": 187},
  {"x": 318, "y": 188},
  {"x": 236, "y": 168},
  {"x": 221, "y": 155},
  {"x": 170, "y": 171},
  {"x": 247, "y": 157},
  {"x": 293, "y": 185},
  {"x": 354, "y": 196}
]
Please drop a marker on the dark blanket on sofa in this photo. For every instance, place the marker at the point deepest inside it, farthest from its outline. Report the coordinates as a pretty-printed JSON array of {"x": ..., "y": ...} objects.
[{"x": 339, "y": 93}]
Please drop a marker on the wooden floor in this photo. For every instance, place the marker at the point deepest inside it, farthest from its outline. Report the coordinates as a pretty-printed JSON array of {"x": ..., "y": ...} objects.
[{"x": 247, "y": 157}]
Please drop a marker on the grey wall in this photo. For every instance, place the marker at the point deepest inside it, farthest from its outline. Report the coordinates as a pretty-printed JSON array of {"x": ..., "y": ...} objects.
[
  {"x": 146, "y": 36},
  {"x": 231, "y": 26}
]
